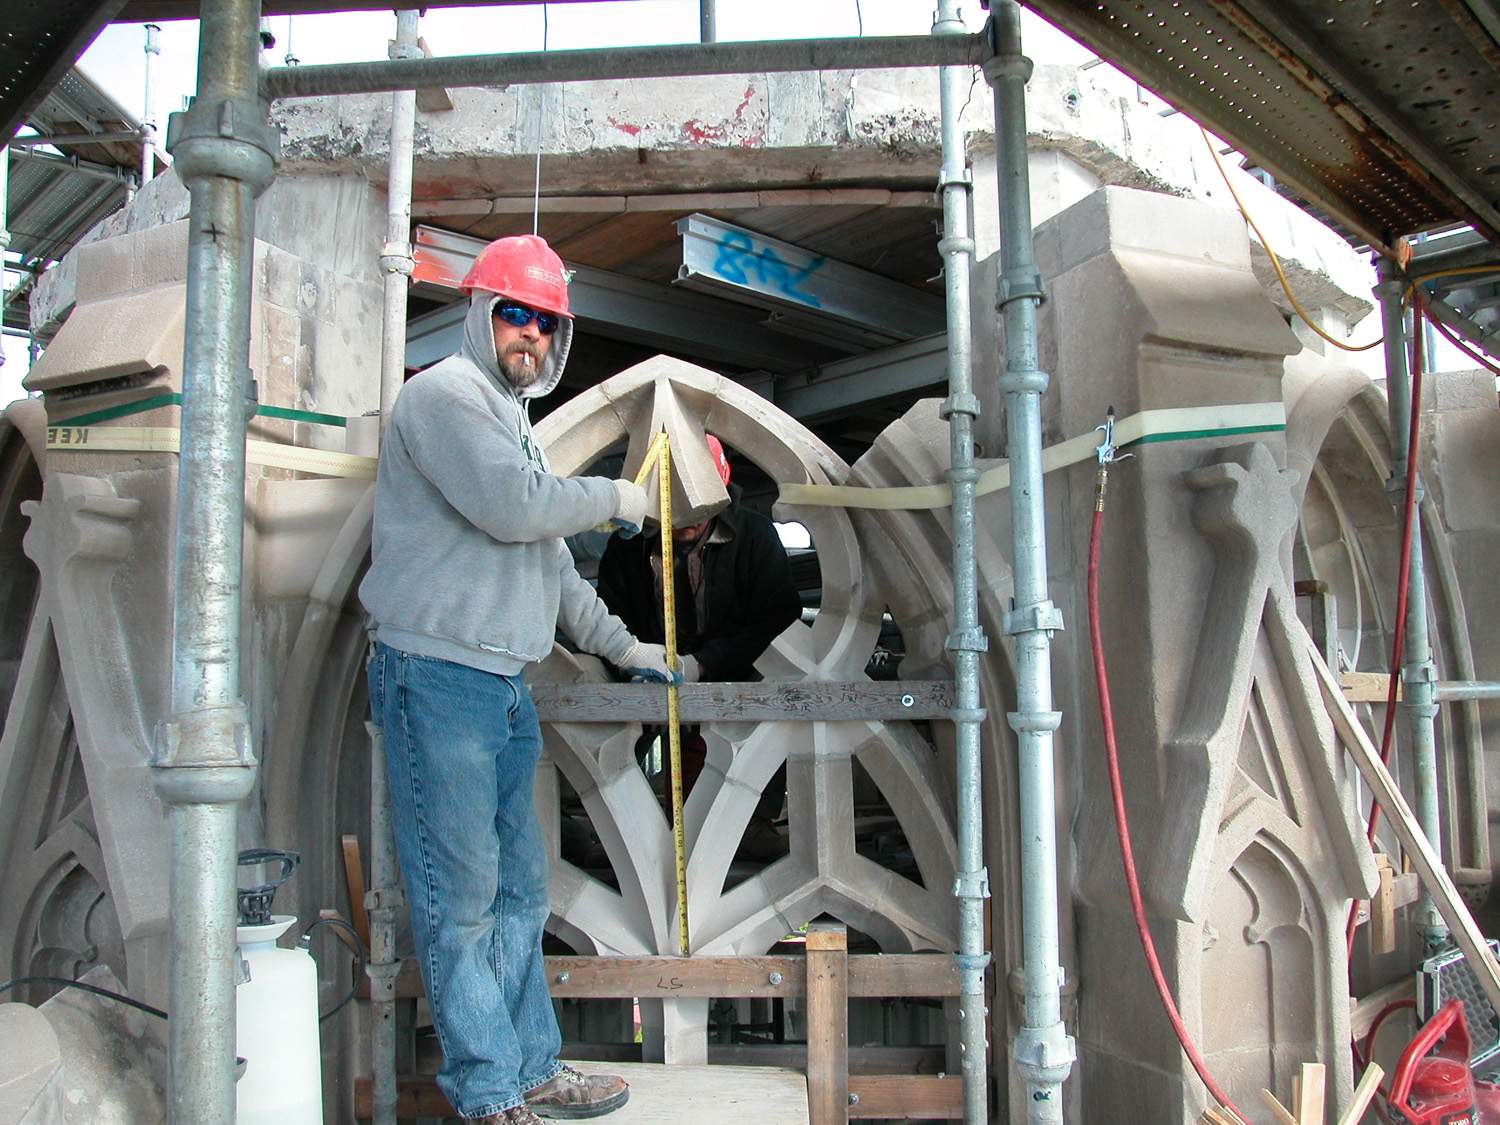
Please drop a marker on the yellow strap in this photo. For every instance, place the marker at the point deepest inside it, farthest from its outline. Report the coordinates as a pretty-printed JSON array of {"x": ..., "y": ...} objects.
[
  {"x": 165, "y": 439},
  {"x": 661, "y": 452},
  {"x": 1168, "y": 424}
]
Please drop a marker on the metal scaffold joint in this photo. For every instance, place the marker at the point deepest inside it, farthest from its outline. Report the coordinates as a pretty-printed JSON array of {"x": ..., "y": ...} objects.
[
  {"x": 967, "y": 640},
  {"x": 204, "y": 756},
  {"x": 1395, "y": 484},
  {"x": 973, "y": 884},
  {"x": 1042, "y": 617},
  {"x": 396, "y": 257},
  {"x": 1019, "y": 285},
  {"x": 229, "y": 138},
  {"x": 1023, "y": 382},
  {"x": 959, "y": 404},
  {"x": 1045, "y": 1055},
  {"x": 1033, "y": 722},
  {"x": 1007, "y": 66}
]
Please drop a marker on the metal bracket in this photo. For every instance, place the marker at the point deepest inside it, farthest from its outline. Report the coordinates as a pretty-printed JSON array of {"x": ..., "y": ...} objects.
[
  {"x": 1043, "y": 617},
  {"x": 378, "y": 899},
  {"x": 959, "y": 404},
  {"x": 232, "y": 138},
  {"x": 213, "y": 736},
  {"x": 972, "y": 884},
  {"x": 396, "y": 257},
  {"x": 1019, "y": 285},
  {"x": 967, "y": 640}
]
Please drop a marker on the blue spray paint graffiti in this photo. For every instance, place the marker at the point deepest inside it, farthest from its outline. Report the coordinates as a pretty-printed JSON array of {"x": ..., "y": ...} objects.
[{"x": 741, "y": 261}]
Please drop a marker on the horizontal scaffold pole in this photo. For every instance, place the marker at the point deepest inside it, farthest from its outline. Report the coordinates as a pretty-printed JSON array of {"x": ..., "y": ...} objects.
[{"x": 617, "y": 63}]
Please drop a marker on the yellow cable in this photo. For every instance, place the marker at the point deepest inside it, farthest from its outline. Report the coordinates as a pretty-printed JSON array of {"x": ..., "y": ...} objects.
[
  {"x": 1286, "y": 286},
  {"x": 661, "y": 452}
]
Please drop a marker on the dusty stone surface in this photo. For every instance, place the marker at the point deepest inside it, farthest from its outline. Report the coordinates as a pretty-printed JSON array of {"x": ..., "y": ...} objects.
[{"x": 82, "y": 1060}]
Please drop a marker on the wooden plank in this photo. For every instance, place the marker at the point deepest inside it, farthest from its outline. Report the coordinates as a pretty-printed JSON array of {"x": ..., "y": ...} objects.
[
  {"x": 1404, "y": 823},
  {"x": 827, "y": 1024},
  {"x": 659, "y": 1095},
  {"x": 1366, "y": 687},
  {"x": 907, "y": 1097},
  {"x": 1362, "y": 1012},
  {"x": 903, "y": 974},
  {"x": 1310, "y": 1094},
  {"x": 793, "y": 1056},
  {"x": 1279, "y": 1113},
  {"x": 598, "y": 978},
  {"x": 869, "y": 700},
  {"x": 1383, "y": 909},
  {"x": 1364, "y": 1094},
  {"x": 354, "y": 877}
]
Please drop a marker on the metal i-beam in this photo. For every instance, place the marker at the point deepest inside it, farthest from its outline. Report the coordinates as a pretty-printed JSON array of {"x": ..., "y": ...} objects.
[
  {"x": 623, "y": 63},
  {"x": 719, "y": 257}
]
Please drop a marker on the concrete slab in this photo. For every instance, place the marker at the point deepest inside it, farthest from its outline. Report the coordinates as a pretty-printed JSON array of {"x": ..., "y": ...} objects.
[{"x": 707, "y": 1095}]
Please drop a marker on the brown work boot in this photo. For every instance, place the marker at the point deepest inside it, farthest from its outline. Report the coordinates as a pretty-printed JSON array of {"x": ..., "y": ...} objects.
[
  {"x": 572, "y": 1095},
  {"x": 517, "y": 1115}
]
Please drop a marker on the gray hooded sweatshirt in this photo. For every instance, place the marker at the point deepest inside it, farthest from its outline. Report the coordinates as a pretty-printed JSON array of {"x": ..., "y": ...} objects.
[{"x": 467, "y": 559}]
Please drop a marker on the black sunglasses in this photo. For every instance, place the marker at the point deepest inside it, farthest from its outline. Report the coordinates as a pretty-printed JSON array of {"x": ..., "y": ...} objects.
[{"x": 519, "y": 316}]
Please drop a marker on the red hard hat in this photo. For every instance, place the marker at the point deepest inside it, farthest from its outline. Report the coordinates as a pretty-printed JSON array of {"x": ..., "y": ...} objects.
[
  {"x": 524, "y": 267},
  {"x": 721, "y": 460}
]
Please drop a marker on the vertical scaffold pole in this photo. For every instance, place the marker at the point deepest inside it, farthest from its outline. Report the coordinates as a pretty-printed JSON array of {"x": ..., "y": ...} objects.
[
  {"x": 148, "y": 106},
  {"x": 1043, "y": 1050},
  {"x": 1418, "y": 672},
  {"x": 967, "y": 640},
  {"x": 203, "y": 766},
  {"x": 385, "y": 897}
]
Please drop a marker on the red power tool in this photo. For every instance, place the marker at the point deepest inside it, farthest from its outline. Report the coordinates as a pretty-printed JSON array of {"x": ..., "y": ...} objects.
[{"x": 1432, "y": 1083}]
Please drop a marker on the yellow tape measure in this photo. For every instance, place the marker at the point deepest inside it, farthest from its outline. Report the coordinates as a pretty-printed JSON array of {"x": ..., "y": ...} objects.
[{"x": 659, "y": 456}]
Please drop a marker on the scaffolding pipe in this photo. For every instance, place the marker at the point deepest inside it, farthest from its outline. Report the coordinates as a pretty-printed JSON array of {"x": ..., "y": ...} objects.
[
  {"x": 148, "y": 106},
  {"x": 202, "y": 762},
  {"x": 1043, "y": 1050},
  {"x": 967, "y": 640},
  {"x": 1447, "y": 691},
  {"x": 385, "y": 896},
  {"x": 620, "y": 63},
  {"x": 396, "y": 255},
  {"x": 1418, "y": 672},
  {"x": 708, "y": 31}
]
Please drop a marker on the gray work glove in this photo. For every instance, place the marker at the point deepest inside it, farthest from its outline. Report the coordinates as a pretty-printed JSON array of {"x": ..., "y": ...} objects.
[
  {"x": 691, "y": 669},
  {"x": 630, "y": 508},
  {"x": 649, "y": 662}
]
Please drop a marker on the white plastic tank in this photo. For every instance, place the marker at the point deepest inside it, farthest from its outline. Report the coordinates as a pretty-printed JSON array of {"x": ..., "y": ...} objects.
[{"x": 276, "y": 1031}]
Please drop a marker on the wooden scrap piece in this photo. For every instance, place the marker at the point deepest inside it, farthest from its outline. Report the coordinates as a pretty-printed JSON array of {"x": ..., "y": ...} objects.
[
  {"x": 1310, "y": 1094},
  {"x": 354, "y": 877},
  {"x": 1383, "y": 909},
  {"x": 1279, "y": 1113},
  {"x": 1364, "y": 1094}
]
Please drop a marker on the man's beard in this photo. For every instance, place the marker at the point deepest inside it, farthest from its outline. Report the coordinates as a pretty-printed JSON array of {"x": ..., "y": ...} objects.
[{"x": 518, "y": 372}]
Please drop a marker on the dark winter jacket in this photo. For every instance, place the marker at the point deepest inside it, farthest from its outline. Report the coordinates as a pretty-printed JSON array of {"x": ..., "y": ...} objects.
[{"x": 744, "y": 597}]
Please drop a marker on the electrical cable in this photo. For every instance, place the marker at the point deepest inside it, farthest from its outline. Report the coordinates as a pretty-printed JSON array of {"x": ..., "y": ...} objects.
[
  {"x": 1380, "y": 1018},
  {"x": 1452, "y": 337},
  {"x": 536, "y": 190},
  {"x": 1122, "y": 823},
  {"x": 306, "y": 940},
  {"x": 64, "y": 982},
  {"x": 1286, "y": 286},
  {"x": 1403, "y": 581}
]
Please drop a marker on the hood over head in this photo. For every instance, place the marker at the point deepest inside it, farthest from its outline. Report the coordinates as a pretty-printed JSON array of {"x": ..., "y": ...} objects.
[{"x": 479, "y": 346}]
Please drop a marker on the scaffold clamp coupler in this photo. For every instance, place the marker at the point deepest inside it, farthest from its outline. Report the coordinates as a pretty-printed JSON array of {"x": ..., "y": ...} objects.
[
  {"x": 1017, "y": 285},
  {"x": 968, "y": 714},
  {"x": 959, "y": 404},
  {"x": 1042, "y": 617},
  {"x": 392, "y": 898},
  {"x": 967, "y": 640},
  {"x": 972, "y": 884},
  {"x": 396, "y": 257},
  {"x": 231, "y": 138}
]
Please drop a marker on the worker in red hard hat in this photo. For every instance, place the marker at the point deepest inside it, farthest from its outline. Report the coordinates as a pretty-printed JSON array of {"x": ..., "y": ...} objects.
[
  {"x": 735, "y": 595},
  {"x": 469, "y": 580}
]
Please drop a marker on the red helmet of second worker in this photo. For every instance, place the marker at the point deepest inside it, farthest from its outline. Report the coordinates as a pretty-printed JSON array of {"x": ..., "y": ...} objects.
[{"x": 524, "y": 268}]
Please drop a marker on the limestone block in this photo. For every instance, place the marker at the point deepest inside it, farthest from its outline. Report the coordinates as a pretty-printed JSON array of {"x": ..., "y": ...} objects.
[
  {"x": 125, "y": 334},
  {"x": 114, "y": 1058},
  {"x": 30, "y": 1065}
]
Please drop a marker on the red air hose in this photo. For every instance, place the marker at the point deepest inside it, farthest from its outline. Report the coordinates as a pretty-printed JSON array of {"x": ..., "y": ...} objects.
[
  {"x": 1122, "y": 823},
  {"x": 1398, "y": 633}
]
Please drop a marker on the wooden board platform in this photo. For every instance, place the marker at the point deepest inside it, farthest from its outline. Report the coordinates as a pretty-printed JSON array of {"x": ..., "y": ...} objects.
[{"x": 659, "y": 1095}]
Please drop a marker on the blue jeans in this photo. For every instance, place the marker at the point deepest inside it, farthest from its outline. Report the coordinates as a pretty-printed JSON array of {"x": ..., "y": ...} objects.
[{"x": 461, "y": 749}]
